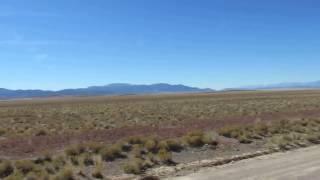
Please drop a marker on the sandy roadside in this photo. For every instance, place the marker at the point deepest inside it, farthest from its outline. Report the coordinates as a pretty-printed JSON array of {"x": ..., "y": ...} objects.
[{"x": 301, "y": 164}]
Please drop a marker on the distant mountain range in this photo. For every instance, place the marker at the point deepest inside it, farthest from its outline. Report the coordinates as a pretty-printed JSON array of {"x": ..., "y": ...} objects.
[
  {"x": 111, "y": 89},
  {"x": 132, "y": 89},
  {"x": 293, "y": 85}
]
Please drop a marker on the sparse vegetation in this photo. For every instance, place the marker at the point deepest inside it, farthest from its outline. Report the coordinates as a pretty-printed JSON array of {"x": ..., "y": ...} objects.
[
  {"x": 134, "y": 166},
  {"x": 157, "y": 145},
  {"x": 25, "y": 166},
  {"x": 6, "y": 169},
  {"x": 97, "y": 173},
  {"x": 65, "y": 174}
]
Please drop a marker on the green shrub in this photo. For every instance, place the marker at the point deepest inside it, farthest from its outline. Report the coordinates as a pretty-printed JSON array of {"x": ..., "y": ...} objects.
[{"x": 6, "y": 169}]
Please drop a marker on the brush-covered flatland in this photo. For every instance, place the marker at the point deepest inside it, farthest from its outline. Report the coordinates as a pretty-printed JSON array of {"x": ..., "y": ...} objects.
[{"x": 100, "y": 137}]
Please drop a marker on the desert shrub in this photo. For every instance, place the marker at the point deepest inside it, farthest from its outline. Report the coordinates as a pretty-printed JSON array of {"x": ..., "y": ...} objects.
[
  {"x": 174, "y": 145},
  {"x": 111, "y": 153},
  {"x": 59, "y": 162},
  {"x": 97, "y": 172},
  {"x": 164, "y": 156},
  {"x": 151, "y": 159},
  {"x": 49, "y": 168},
  {"x": 25, "y": 166},
  {"x": 37, "y": 176},
  {"x": 151, "y": 145},
  {"x": 15, "y": 176},
  {"x": 194, "y": 141},
  {"x": 304, "y": 122},
  {"x": 2, "y": 132},
  {"x": 41, "y": 132},
  {"x": 6, "y": 169},
  {"x": 279, "y": 127},
  {"x": 134, "y": 166},
  {"x": 75, "y": 150},
  {"x": 43, "y": 159},
  {"x": 298, "y": 128},
  {"x": 74, "y": 160},
  {"x": 275, "y": 129},
  {"x": 284, "y": 125},
  {"x": 261, "y": 129},
  {"x": 82, "y": 174},
  {"x": 88, "y": 160},
  {"x": 314, "y": 138},
  {"x": 124, "y": 146},
  {"x": 210, "y": 139},
  {"x": 65, "y": 174},
  {"x": 94, "y": 147},
  {"x": 137, "y": 151},
  {"x": 198, "y": 139},
  {"x": 136, "y": 140},
  {"x": 317, "y": 121},
  {"x": 148, "y": 163},
  {"x": 163, "y": 145},
  {"x": 150, "y": 178},
  {"x": 230, "y": 131},
  {"x": 244, "y": 139},
  {"x": 32, "y": 176},
  {"x": 281, "y": 143}
]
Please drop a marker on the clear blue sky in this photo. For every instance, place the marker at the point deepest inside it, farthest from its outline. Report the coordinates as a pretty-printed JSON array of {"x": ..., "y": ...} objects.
[{"x": 55, "y": 44}]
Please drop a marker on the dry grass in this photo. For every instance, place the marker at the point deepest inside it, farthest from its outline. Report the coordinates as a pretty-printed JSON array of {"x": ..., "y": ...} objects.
[
  {"x": 6, "y": 169},
  {"x": 174, "y": 120},
  {"x": 54, "y": 116}
]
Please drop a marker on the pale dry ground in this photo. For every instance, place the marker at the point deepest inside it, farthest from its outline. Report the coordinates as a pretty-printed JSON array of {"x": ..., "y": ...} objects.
[{"x": 302, "y": 164}]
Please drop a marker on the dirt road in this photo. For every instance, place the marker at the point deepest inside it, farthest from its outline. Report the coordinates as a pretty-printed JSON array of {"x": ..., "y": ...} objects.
[{"x": 302, "y": 164}]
